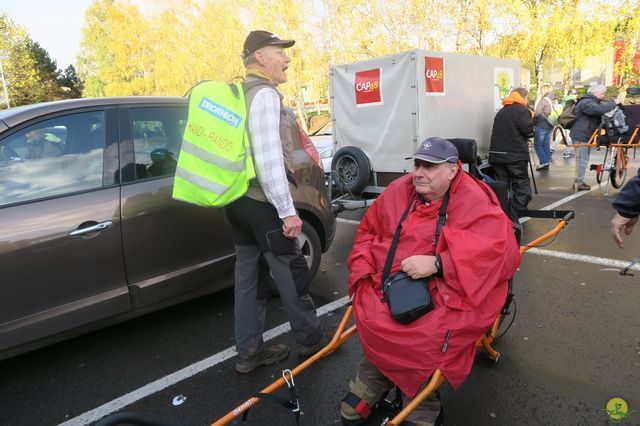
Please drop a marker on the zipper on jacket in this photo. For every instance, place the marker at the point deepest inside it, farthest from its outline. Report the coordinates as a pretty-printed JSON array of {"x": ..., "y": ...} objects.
[{"x": 446, "y": 342}]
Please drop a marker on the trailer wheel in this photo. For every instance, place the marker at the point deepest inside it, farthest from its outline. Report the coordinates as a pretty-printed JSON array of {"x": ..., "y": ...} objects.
[{"x": 351, "y": 169}]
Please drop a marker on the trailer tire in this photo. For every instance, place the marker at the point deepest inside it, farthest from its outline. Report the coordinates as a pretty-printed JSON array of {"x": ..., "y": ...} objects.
[{"x": 351, "y": 169}]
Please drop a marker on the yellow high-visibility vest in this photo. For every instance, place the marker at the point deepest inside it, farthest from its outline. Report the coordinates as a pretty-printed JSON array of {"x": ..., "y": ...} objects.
[{"x": 215, "y": 164}]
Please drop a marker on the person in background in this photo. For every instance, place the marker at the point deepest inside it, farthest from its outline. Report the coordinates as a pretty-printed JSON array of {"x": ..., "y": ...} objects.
[
  {"x": 543, "y": 127},
  {"x": 563, "y": 135},
  {"x": 509, "y": 149},
  {"x": 589, "y": 109}
]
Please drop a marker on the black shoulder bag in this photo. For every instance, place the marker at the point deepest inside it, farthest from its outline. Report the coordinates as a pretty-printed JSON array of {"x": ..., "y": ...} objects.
[{"x": 409, "y": 299}]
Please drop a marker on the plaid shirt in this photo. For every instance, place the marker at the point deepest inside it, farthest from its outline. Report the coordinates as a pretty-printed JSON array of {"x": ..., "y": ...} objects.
[{"x": 264, "y": 128}]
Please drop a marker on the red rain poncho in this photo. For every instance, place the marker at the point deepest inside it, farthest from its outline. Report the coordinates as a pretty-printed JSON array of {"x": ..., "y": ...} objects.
[{"x": 479, "y": 254}]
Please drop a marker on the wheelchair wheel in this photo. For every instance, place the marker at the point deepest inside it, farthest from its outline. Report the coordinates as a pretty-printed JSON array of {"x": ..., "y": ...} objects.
[
  {"x": 558, "y": 130},
  {"x": 605, "y": 165},
  {"x": 618, "y": 172}
]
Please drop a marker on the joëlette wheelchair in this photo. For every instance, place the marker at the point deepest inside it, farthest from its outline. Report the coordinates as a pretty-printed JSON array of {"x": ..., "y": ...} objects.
[{"x": 467, "y": 151}]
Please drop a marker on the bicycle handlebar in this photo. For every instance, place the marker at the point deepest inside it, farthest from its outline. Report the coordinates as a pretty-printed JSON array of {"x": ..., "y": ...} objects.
[{"x": 570, "y": 215}]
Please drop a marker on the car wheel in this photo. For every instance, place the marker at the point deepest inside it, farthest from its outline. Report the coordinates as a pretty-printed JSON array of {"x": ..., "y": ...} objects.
[
  {"x": 309, "y": 244},
  {"x": 351, "y": 169}
]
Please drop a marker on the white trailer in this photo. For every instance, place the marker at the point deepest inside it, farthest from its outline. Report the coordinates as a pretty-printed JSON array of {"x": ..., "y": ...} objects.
[{"x": 383, "y": 108}]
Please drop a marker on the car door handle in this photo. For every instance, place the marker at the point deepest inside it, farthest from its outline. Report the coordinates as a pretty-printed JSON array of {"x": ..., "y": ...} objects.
[{"x": 91, "y": 229}]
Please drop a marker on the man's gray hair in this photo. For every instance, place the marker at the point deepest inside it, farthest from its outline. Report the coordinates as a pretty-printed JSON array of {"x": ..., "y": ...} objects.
[
  {"x": 597, "y": 88},
  {"x": 249, "y": 60}
]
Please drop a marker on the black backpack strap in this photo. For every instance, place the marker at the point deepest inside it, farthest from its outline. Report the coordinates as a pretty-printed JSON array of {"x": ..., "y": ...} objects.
[
  {"x": 293, "y": 403},
  {"x": 188, "y": 92},
  {"x": 394, "y": 243},
  {"x": 442, "y": 218}
]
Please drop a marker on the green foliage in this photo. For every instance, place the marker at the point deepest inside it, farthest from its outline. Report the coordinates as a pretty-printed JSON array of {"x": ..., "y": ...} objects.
[
  {"x": 129, "y": 48},
  {"x": 30, "y": 74},
  {"x": 70, "y": 84}
]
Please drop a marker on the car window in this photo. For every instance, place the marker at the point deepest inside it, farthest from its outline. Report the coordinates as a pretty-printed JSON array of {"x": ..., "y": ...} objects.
[
  {"x": 52, "y": 157},
  {"x": 157, "y": 136}
]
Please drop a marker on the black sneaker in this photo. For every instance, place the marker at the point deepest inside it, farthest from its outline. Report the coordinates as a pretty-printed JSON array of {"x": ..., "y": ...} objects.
[
  {"x": 271, "y": 354},
  {"x": 308, "y": 350}
]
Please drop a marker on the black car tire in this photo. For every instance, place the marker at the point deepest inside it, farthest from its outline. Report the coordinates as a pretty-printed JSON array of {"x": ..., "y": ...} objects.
[
  {"x": 311, "y": 248},
  {"x": 351, "y": 169}
]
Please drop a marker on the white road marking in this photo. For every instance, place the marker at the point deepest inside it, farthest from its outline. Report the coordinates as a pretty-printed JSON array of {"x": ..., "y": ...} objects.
[
  {"x": 349, "y": 221},
  {"x": 564, "y": 200},
  {"x": 200, "y": 366},
  {"x": 183, "y": 374},
  {"x": 617, "y": 264}
]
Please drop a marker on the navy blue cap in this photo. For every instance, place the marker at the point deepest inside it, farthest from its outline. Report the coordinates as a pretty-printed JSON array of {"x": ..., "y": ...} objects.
[{"x": 436, "y": 150}]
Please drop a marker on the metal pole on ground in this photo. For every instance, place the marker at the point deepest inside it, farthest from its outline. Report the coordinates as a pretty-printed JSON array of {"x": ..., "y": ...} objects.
[{"x": 533, "y": 178}]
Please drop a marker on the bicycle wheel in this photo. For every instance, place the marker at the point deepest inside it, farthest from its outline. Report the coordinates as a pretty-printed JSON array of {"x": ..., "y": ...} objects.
[
  {"x": 605, "y": 164},
  {"x": 618, "y": 172},
  {"x": 558, "y": 130}
]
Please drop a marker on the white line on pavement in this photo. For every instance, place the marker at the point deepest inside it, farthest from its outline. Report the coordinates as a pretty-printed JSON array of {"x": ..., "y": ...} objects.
[
  {"x": 352, "y": 222},
  {"x": 183, "y": 374},
  {"x": 564, "y": 200},
  {"x": 618, "y": 264}
]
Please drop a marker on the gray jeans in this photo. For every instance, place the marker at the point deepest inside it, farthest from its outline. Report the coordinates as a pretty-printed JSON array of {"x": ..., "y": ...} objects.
[
  {"x": 251, "y": 300},
  {"x": 257, "y": 232},
  {"x": 582, "y": 160}
]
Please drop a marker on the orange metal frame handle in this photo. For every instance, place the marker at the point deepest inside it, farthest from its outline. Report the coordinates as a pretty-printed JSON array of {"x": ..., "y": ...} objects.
[
  {"x": 341, "y": 336},
  {"x": 563, "y": 222}
]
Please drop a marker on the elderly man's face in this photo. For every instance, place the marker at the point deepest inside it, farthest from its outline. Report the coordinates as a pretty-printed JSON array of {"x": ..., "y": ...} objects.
[
  {"x": 432, "y": 180},
  {"x": 274, "y": 62}
]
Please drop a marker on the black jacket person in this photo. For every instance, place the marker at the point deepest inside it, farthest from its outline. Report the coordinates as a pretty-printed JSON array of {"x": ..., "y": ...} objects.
[{"x": 509, "y": 150}]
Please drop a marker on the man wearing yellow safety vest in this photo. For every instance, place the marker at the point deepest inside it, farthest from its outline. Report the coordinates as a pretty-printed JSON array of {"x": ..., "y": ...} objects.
[{"x": 264, "y": 221}]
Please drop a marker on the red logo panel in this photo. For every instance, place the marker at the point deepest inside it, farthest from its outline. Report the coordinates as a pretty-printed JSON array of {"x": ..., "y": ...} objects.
[
  {"x": 434, "y": 75},
  {"x": 368, "y": 87}
]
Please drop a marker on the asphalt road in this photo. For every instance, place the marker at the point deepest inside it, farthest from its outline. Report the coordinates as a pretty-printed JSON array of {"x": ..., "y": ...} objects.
[{"x": 574, "y": 344}]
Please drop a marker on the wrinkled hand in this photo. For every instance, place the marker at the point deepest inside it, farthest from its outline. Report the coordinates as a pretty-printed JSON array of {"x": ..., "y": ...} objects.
[
  {"x": 419, "y": 266},
  {"x": 618, "y": 223},
  {"x": 292, "y": 226}
]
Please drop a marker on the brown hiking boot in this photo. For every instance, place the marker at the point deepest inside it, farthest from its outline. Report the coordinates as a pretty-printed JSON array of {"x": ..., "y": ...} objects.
[
  {"x": 271, "y": 354},
  {"x": 308, "y": 350}
]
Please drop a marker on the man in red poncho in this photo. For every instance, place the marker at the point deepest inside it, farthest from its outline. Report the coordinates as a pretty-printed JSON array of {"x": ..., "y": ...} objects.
[{"x": 475, "y": 256}]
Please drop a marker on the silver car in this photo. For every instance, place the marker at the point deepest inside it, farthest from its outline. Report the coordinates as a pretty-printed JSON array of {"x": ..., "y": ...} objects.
[{"x": 89, "y": 233}]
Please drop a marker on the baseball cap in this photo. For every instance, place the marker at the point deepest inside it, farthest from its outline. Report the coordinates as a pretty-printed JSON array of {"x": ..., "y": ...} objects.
[
  {"x": 258, "y": 39},
  {"x": 436, "y": 150}
]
